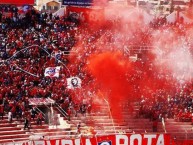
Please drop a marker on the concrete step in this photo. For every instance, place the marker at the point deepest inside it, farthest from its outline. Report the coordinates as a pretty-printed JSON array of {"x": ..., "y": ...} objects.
[
  {"x": 13, "y": 141},
  {"x": 7, "y": 125},
  {"x": 13, "y": 136},
  {"x": 10, "y": 132},
  {"x": 9, "y": 128}
]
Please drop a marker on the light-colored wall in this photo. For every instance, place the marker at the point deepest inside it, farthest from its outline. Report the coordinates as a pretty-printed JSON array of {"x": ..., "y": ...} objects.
[{"x": 41, "y": 3}]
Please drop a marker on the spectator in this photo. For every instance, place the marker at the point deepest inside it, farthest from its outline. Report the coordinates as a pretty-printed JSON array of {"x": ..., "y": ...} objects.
[
  {"x": 79, "y": 128},
  {"x": 26, "y": 123},
  {"x": 10, "y": 117},
  {"x": 155, "y": 125},
  {"x": 1, "y": 111},
  {"x": 69, "y": 112},
  {"x": 56, "y": 120},
  {"x": 83, "y": 109},
  {"x": 39, "y": 119},
  {"x": 33, "y": 113}
]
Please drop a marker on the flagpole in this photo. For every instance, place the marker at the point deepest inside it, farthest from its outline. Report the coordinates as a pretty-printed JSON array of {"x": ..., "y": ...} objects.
[
  {"x": 43, "y": 50},
  {"x": 26, "y": 71}
]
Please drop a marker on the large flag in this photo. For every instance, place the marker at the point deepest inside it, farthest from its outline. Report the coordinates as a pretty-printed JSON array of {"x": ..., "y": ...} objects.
[
  {"x": 52, "y": 71},
  {"x": 73, "y": 82}
]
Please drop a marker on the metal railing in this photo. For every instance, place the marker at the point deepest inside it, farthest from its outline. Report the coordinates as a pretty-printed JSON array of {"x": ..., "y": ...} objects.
[
  {"x": 41, "y": 112},
  {"x": 59, "y": 108}
]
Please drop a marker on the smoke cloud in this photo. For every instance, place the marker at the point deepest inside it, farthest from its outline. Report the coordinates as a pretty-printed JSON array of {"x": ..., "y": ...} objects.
[{"x": 104, "y": 54}]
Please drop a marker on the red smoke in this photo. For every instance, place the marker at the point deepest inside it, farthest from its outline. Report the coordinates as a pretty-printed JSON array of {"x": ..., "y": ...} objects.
[
  {"x": 100, "y": 3},
  {"x": 104, "y": 51},
  {"x": 110, "y": 70}
]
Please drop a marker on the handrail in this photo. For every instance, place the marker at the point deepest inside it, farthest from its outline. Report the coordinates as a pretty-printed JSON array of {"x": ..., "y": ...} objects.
[
  {"x": 10, "y": 58},
  {"x": 186, "y": 134},
  {"x": 110, "y": 115},
  {"x": 41, "y": 112},
  {"x": 47, "y": 106},
  {"x": 163, "y": 124},
  {"x": 13, "y": 141},
  {"x": 61, "y": 111}
]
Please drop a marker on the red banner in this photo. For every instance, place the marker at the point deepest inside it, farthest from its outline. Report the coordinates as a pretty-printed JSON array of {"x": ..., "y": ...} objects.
[
  {"x": 119, "y": 139},
  {"x": 17, "y": 2},
  {"x": 182, "y": 142}
]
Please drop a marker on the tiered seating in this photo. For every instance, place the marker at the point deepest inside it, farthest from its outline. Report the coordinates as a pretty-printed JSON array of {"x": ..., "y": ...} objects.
[
  {"x": 102, "y": 123},
  {"x": 10, "y": 132},
  {"x": 14, "y": 131},
  {"x": 52, "y": 131},
  {"x": 179, "y": 130},
  {"x": 100, "y": 120}
]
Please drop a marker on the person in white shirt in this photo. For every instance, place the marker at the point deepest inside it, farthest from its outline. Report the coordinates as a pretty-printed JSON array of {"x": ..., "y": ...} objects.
[{"x": 10, "y": 116}]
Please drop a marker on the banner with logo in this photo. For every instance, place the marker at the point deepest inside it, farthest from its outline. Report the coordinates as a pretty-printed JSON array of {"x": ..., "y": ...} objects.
[
  {"x": 119, "y": 139},
  {"x": 17, "y": 2},
  {"x": 52, "y": 71},
  {"x": 73, "y": 82},
  {"x": 77, "y": 2}
]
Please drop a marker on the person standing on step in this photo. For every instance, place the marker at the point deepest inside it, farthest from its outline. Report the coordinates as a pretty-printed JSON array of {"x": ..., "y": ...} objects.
[
  {"x": 78, "y": 127},
  {"x": 10, "y": 116},
  {"x": 26, "y": 123},
  {"x": 1, "y": 111},
  {"x": 39, "y": 119},
  {"x": 33, "y": 113},
  {"x": 154, "y": 125},
  {"x": 56, "y": 120}
]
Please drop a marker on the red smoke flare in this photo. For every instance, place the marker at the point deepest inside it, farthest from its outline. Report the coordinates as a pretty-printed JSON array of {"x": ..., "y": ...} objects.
[{"x": 110, "y": 70}]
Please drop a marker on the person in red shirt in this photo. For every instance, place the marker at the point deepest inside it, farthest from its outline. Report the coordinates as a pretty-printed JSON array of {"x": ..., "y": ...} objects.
[
  {"x": 155, "y": 125},
  {"x": 79, "y": 128},
  {"x": 69, "y": 113}
]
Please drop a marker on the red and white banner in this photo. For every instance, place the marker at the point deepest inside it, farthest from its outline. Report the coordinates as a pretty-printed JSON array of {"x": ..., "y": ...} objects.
[
  {"x": 119, "y": 139},
  {"x": 41, "y": 101},
  {"x": 52, "y": 71},
  {"x": 17, "y": 2}
]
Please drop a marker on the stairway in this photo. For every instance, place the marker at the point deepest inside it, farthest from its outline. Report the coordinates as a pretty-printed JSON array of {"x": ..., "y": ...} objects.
[
  {"x": 99, "y": 119},
  {"x": 11, "y": 132},
  {"x": 102, "y": 123},
  {"x": 179, "y": 130}
]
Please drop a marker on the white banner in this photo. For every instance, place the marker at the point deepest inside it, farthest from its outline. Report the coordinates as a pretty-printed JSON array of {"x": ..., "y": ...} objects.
[
  {"x": 52, "y": 71},
  {"x": 73, "y": 82}
]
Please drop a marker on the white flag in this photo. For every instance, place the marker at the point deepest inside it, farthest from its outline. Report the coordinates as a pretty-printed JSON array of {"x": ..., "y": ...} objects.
[
  {"x": 52, "y": 71},
  {"x": 73, "y": 82}
]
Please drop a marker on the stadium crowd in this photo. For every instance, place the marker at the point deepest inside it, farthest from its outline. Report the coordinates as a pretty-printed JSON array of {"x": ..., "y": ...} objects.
[
  {"x": 31, "y": 42},
  {"x": 28, "y": 45}
]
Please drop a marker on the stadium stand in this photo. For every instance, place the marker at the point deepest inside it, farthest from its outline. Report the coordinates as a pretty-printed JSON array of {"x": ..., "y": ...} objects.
[{"x": 31, "y": 43}]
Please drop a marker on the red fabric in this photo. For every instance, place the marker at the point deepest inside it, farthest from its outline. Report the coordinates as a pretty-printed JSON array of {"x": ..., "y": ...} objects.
[{"x": 17, "y": 2}]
